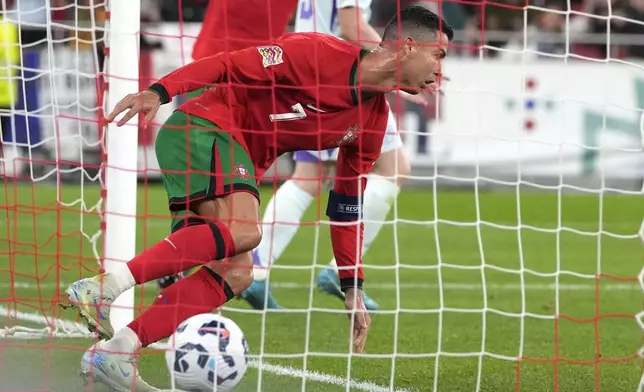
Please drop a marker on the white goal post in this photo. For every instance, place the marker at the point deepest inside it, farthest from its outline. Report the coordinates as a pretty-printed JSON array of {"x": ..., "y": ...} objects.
[{"x": 121, "y": 172}]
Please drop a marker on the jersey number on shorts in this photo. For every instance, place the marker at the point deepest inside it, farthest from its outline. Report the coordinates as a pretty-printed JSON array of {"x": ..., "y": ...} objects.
[{"x": 298, "y": 114}]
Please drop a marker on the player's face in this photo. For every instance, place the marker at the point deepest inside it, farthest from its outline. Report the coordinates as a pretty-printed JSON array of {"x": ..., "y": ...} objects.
[{"x": 423, "y": 62}]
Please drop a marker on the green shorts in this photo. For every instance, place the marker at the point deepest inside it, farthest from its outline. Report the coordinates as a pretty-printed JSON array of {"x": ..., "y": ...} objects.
[{"x": 198, "y": 162}]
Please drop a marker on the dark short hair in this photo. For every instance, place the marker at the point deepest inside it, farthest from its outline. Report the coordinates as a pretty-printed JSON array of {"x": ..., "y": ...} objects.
[{"x": 416, "y": 18}]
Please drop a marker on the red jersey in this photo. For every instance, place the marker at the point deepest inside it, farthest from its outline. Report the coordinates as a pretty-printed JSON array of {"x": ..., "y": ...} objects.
[
  {"x": 298, "y": 94},
  {"x": 231, "y": 25}
]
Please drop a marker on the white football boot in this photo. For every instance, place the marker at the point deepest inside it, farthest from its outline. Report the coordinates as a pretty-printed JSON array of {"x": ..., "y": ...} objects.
[
  {"x": 92, "y": 298},
  {"x": 115, "y": 370}
]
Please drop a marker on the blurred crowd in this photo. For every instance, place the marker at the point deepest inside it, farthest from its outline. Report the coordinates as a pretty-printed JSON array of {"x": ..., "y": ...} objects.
[{"x": 589, "y": 28}]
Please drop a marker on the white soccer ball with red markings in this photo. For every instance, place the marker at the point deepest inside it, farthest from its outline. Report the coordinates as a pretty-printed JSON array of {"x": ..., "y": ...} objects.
[{"x": 207, "y": 350}]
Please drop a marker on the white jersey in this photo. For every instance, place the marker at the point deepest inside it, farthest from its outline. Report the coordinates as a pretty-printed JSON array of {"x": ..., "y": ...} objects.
[{"x": 321, "y": 16}]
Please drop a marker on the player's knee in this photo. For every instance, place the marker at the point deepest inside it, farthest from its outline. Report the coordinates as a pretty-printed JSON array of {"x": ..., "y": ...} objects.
[
  {"x": 246, "y": 236},
  {"x": 239, "y": 212},
  {"x": 237, "y": 271},
  {"x": 254, "y": 237},
  {"x": 242, "y": 272},
  {"x": 239, "y": 279}
]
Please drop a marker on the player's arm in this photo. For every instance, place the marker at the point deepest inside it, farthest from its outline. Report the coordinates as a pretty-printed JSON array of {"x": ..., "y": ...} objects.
[
  {"x": 282, "y": 63},
  {"x": 251, "y": 66},
  {"x": 353, "y": 26},
  {"x": 344, "y": 210}
]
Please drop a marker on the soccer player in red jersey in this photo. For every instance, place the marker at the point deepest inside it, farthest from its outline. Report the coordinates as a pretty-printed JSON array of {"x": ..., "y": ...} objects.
[
  {"x": 227, "y": 27},
  {"x": 212, "y": 151},
  {"x": 230, "y": 25}
]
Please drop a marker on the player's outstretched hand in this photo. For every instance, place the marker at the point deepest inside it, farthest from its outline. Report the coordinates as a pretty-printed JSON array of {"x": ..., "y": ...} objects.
[
  {"x": 361, "y": 320},
  {"x": 147, "y": 102}
]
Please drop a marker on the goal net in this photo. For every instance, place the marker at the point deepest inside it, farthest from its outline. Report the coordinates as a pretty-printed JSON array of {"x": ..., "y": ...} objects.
[
  {"x": 511, "y": 260},
  {"x": 50, "y": 168}
]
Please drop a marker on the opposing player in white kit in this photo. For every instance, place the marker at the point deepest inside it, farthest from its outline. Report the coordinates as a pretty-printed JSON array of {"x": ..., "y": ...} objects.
[{"x": 347, "y": 19}]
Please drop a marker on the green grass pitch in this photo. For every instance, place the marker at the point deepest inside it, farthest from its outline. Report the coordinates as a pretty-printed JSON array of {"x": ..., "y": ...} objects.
[{"x": 458, "y": 320}]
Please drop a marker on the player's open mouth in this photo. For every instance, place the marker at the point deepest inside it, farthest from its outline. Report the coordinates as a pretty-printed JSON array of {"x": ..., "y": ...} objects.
[{"x": 428, "y": 84}]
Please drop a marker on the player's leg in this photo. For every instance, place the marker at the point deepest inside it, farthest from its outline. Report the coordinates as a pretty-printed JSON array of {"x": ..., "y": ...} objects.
[
  {"x": 168, "y": 280},
  {"x": 202, "y": 171},
  {"x": 383, "y": 187},
  {"x": 215, "y": 217},
  {"x": 282, "y": 216},
  {"x": 209, "y": 287},
  {"x": 212, "y": 285}
]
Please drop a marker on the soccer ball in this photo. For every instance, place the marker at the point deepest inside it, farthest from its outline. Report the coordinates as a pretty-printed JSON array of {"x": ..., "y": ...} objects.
[{"x": 207, "y": 351}]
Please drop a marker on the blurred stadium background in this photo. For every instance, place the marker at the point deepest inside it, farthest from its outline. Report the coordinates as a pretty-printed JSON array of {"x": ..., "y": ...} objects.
[{"x": 515, "y": 256}]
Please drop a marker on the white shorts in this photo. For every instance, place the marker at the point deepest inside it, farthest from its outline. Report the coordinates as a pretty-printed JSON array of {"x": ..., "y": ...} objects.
[{"x": 390, "y": 142}]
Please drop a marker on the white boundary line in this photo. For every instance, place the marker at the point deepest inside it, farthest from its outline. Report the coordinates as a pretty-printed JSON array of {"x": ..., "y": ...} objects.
[
  {"x": 77, "y": 330},
  {"x": 477, "y": 286},
  {"x": 405, "y": 286},
  {"x": 322, "y": 377}
]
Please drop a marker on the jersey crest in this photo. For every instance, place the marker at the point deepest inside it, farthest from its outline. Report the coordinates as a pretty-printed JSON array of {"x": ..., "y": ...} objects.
[
  {"x": 271, "y": 55},
  {"x": 350, "y": 136},
  {"x": 240, "y": 171}
]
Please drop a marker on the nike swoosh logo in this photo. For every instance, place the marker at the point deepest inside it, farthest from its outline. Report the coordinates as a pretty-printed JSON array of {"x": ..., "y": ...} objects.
[
  {"x": 310, "y": 106},
  {"x": 166, "y": 239},
  {"x": 124, "y": 373}
]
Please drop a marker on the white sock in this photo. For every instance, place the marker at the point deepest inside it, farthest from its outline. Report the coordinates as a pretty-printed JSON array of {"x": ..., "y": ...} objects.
[
  {"x": 286, "y": 207},
  {"x": 378, "y": 198},
  {"x": 119, "y": 281},
  {"x": 124, "y": 341}
]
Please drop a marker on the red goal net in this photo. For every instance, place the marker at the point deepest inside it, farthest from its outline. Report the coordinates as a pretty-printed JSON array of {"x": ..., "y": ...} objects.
[{"x": 508, "y": 261}]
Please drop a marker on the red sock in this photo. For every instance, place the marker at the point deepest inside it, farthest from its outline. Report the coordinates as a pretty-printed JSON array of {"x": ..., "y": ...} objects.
[
  {"x": 186, "y": 248},
  {"x": 201, "y": 292}
]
